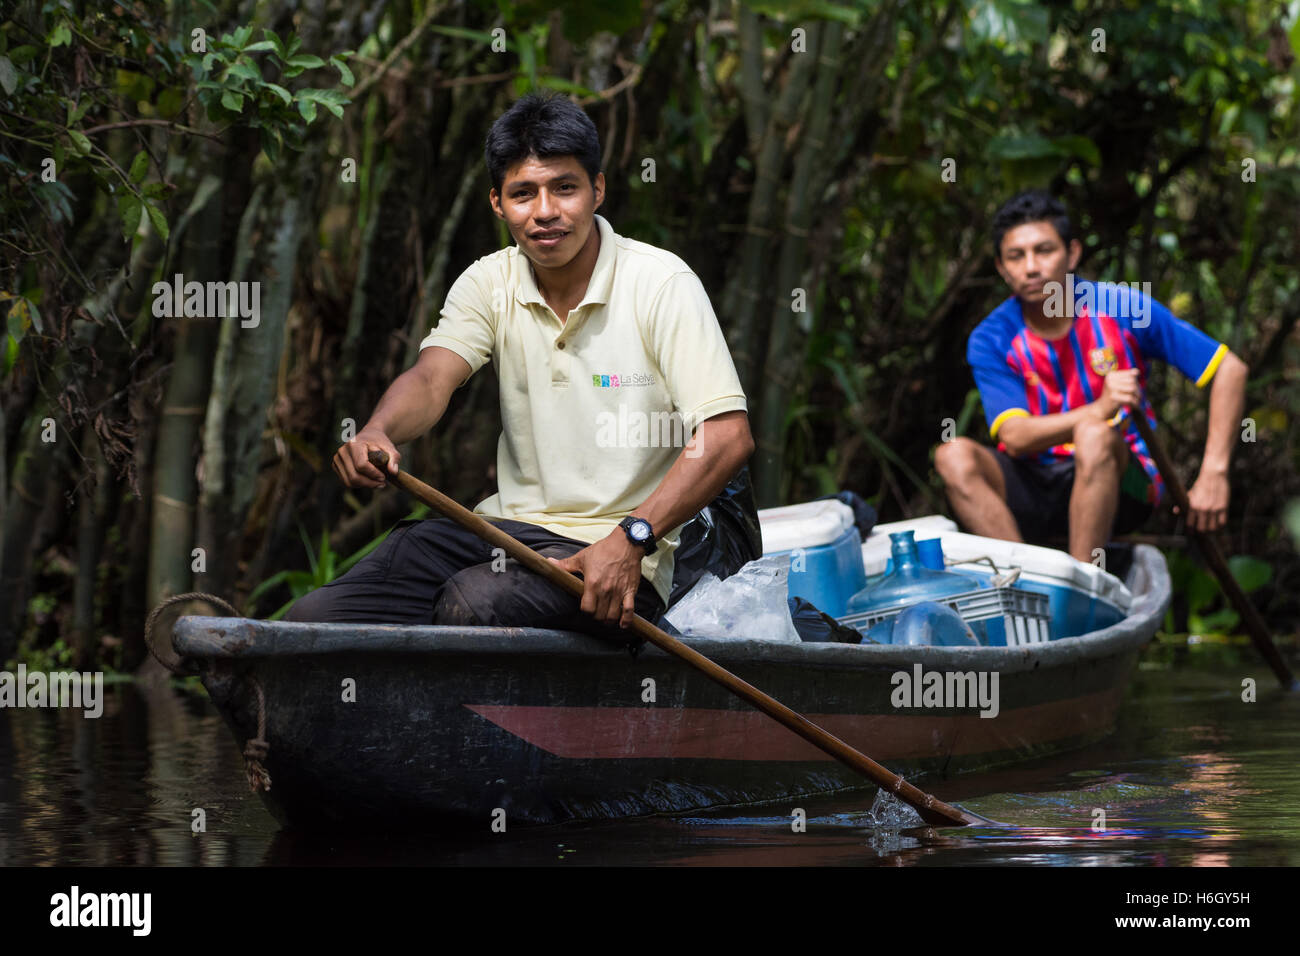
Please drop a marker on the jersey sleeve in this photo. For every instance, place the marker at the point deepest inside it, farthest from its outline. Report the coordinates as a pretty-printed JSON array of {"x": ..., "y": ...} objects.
[
  {"x": 691, "y": 352},
  {"x": 1162, "y": 335},
  {"x": 1002, "y": 390},
  {"x": 465, "y": 325}
]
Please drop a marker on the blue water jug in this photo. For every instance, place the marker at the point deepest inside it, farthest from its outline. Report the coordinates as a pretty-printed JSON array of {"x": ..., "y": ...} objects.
[
  {"x": 909, "y": 582},
  {"x": 927, "y": 624}
]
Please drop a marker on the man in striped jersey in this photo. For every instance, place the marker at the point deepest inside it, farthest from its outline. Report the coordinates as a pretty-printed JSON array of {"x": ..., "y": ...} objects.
[{"x": 1059, "y": 377}]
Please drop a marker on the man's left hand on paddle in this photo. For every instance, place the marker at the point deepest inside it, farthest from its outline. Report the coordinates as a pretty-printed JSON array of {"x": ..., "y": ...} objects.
[
  {"x": 1209, "y": 500},
  {"x": 611, "y": 573}
]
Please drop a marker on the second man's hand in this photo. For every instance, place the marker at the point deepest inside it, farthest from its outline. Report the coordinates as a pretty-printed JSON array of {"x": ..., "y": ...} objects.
[
  {"x": 352, "y": 460},
  {"x": 611, "y": 573}
]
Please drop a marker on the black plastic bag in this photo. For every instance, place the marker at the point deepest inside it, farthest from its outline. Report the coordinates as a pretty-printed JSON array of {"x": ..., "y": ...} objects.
[
  {"x": 864, "y": 515},
  {"x": 818, "y": 626},
  {"x": 721, "y": 539}
]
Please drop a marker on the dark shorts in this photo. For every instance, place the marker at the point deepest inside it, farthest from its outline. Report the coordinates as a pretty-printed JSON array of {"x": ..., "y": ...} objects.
[
  {"x": 433, "y": 571},
  {"x": 1038, "y": 495}
]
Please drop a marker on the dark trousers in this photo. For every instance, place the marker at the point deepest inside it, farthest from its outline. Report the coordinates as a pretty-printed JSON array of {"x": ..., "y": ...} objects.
[{"x": 433, "y": 571}]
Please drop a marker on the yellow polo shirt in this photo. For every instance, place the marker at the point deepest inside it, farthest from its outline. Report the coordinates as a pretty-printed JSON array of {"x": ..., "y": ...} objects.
[{"x": 595, "y": 410}]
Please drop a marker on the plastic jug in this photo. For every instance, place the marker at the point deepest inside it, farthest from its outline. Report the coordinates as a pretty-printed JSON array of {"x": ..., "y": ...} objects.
[
  {"x": 927, "y": 624},
  {"x": 909, "y": 583}
]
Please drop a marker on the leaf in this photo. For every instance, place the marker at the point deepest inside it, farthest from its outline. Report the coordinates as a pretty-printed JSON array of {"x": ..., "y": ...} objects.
[
  {"x": 306, "y": 61},
  {"x": 61, "y": 34},
  {"x": 1222, "y": 621},
  {"x": 21, "y": 54},
  {"x": 1251, "y": 573},
  {"x": 159, "y": 221},
  {"x": 308, "y": 109},
  {"x": 260, "y": 45},
  {"x": 232, "y": 101},
  {"x": 1030, "y": 146},
  {"x": 326, "y": 96},
  {"x": 1080, "y": 146},
  {"x": 270, "y": 143},
  {"x": 246, "y": 71},
  {"x": 35, "y": 315},
  {"x": 794, "y": 11},
  {"x": 1291, "y": 518},
  {"x": 79, "y": 140},
  {"x": 344, "y": 72},
  {"x": 139, "y": 167},
  {"x": 528, "y": 56},
  {"x": 8, "y": 75},
  {"x": 280, "y": 91},
  {"x": 266, "y": 585},
  {"x": 275, "y": 41},
  {"x": 170, "y": 102},
  {"x": 19, "y": 319},
  {"x": 464, "y": 34},
  {"x": 1201, "y": 591},
  {"x": 565, "y": 86},
  {"x": 332, "y": 100},
  {"x": 129, "y": 208}
]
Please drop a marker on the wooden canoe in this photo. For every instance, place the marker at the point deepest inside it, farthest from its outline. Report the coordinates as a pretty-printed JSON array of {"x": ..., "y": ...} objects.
[{"x": 450, "y": 725}]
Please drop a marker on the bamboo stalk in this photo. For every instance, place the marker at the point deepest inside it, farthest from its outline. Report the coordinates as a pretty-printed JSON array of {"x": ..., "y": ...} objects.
[
  {"x": 748, "y": 285},
  {"x": 783, "y": 359}
]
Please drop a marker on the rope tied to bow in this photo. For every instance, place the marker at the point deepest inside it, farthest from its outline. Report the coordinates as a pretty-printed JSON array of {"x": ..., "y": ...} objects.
[{"x": 255, "y": 748}]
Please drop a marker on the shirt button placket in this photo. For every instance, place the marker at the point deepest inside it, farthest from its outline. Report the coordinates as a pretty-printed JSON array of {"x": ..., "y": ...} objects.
[{"x": 560, "y": 363}]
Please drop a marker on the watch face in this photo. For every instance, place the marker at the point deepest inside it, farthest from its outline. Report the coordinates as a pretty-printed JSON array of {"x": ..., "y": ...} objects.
[{"x": 640, "y": 530}]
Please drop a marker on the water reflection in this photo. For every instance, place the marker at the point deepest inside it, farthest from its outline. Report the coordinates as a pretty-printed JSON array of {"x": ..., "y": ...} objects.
[{"x": 1192, "y": 777}]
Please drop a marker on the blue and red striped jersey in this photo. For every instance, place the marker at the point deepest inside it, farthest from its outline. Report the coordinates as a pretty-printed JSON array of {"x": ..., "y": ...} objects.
[{"x": 1018, "y": 372}]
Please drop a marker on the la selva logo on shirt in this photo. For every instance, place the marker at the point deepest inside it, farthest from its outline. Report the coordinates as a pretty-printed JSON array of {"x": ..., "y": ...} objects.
[{"x": 622, "y": 381}]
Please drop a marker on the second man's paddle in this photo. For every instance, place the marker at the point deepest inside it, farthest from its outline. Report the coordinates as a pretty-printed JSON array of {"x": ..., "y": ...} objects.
[{"x": 1255, "y": 625}]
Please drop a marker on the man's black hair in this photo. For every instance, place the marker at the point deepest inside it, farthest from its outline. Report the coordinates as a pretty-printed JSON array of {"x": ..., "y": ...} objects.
[
  {"x": 541, "y": 125},
  {"x": 1033, "y": 205}
]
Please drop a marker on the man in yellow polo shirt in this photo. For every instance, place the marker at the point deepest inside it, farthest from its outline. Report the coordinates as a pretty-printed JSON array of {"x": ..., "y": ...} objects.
[{"x": 621, "y": 409}]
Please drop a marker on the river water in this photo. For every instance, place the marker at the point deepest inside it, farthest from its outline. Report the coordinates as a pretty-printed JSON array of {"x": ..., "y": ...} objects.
[{"x": 1193, "y": 776}]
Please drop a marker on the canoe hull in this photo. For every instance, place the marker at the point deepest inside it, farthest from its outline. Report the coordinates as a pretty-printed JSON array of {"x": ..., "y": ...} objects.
[{"x": 448, "y": 726}]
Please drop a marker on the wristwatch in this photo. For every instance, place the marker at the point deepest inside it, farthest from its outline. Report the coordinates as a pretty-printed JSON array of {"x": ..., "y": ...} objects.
[{"x": 639, "y": 532}]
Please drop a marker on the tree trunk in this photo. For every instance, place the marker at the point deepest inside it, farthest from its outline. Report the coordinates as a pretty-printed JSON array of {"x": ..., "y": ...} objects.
[{"x": 175, "y": 485}]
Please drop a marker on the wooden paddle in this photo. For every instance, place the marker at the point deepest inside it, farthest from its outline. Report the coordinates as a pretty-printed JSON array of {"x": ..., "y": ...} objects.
[
  {"x": 932, "y": 810},
  {"x": 1255, "y": 625}
]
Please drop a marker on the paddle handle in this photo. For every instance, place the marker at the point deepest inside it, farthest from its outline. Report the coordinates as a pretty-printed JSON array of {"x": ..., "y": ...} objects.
[
  {"x": 1255, "y": 625},
  {"x": 931, "y": 809}
]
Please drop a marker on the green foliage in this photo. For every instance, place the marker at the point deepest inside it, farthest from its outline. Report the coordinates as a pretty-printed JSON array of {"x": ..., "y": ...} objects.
[
  {"x": 1208, "y": 611},
  {"x": 231, "y": 86},
  {"x": 144, "y": 76},
  {"x": 323, "y": 567},
  {"x": 1291, "y": 518},
  {"x": 56, "y": 657}
]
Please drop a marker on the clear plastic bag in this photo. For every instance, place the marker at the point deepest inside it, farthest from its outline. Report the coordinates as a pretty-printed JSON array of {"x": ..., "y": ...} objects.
[{"x": 751, "y": 604}]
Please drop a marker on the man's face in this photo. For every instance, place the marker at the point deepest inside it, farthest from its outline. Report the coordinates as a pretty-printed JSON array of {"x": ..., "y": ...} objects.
[
  {"x": 549, "y": 206},
  {"x": 1033, "y": 255}
]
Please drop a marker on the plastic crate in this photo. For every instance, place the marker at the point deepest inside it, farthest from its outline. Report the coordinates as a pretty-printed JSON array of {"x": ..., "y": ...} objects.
[{"x": 1026, "y": 615}]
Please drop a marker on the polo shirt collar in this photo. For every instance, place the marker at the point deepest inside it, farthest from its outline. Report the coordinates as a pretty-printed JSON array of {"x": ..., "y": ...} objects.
[{"x": 602, "y": 274}]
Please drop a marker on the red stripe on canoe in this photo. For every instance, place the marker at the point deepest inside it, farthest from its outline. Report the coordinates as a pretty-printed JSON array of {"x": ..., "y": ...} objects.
[{"x": 615, "y": 733}]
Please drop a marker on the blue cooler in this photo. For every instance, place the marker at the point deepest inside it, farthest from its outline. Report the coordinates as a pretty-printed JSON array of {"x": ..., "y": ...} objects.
[{"x": 825, "y": 551}]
